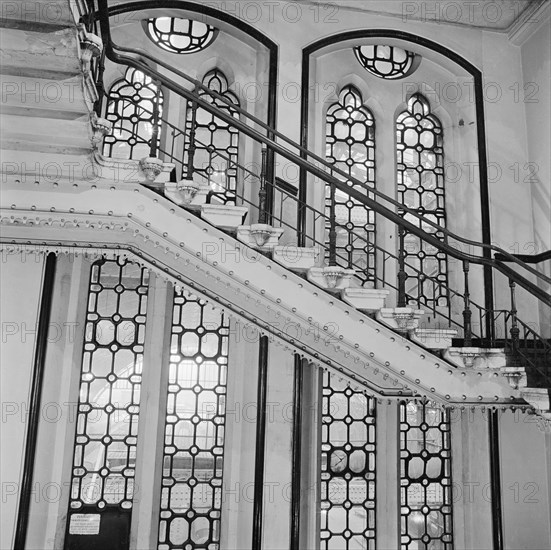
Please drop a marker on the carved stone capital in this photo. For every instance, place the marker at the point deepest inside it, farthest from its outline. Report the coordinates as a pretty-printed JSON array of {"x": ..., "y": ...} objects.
[
  {"x": 401, "y": 319},
  {"x": 476, "y": 358},
  {"x": 101, "y": 128},
  {"x": 91, "y": 45},
  {"x": 331, "y": 278},
  {"x": 259, "y": 235},
  {"x": 151, "y": 167}
]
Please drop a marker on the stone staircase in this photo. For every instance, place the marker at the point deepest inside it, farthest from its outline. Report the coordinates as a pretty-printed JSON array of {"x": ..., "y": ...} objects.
[
  {"x": 50, "y": 134},
  {"x": 191, "y": 194},
  {"x": 47, "y": 92}
]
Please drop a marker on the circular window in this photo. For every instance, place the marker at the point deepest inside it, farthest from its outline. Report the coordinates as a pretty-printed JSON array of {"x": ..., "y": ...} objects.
[
  {"x": 178, "y": 35},
  {"x": 387, "y": 62}
]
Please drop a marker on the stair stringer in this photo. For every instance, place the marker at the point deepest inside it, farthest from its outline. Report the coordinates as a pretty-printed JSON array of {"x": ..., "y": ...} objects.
[{"x": 184, "y": 248}]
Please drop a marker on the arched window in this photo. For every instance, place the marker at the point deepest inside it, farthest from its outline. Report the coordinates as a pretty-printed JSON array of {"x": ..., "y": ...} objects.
[
  {"x": 177, "y": 35},
  {"x": 350, "y": 146},
  {"x": 131, "y": 108},
  {"x": 387, "y": 62},
  {"x": 215, "y": 150},
  {"x": 420, "y": 177}
]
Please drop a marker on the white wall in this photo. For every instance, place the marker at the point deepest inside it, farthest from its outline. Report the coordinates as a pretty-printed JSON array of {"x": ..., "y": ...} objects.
[
  {"x": 525, "y": 446},
  {"x": 20, "y": 291},
  {"x": 536, "y": 92}
]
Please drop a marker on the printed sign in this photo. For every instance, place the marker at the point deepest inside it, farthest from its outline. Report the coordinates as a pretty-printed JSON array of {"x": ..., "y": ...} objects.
[{"x": 84, "y": 524}]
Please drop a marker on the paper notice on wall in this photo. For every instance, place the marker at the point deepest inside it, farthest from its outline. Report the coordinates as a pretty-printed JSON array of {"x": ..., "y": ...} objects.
[{"x": 84, "y": 524}]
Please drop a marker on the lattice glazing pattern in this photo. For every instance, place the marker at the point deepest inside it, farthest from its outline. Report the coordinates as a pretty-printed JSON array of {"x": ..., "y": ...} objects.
[
  {"x": 130, "y": 107},
  {"x": 425, "y": 478},
  {"x": 388, "y": 62},
  {"x": 216, "y": 146},
  {"x": 350, "y": 146},
  {"x": 178, "y": 35},
  {"x": 109, "y": 399},
  {"x": 347, "y": 468},
  {"x": 191, "y": 497},
  {"x": 420, "y": 173}
]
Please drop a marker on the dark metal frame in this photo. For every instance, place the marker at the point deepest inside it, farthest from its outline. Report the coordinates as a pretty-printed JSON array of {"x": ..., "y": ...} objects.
[
  {"x": 195, "y": 150},
  {"x": 198, "y": 348},
  {"x": 128, "y": 336},
  {"x": 347, "y": 464},
  {"x": 196, "y": 43},
  {"x": 399, "y": 69},
  {"x": 429, "y": 475},
  {"x": 341, "y": 114},
  {"x": 411, "y": 124},
  {"x": 119, "y": 103}
]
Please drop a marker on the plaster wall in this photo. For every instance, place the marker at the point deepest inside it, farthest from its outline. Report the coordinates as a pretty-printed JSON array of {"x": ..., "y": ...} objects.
[{"x": 20, "y": 291}]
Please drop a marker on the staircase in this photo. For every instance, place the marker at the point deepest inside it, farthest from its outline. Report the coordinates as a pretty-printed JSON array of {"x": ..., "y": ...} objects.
[
  {"x": 251, "y": 261},
  {"x": 47, "y": 92}
]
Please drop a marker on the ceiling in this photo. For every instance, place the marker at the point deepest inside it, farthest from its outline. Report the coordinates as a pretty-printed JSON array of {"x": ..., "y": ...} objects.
[{"x": 494, "y": 15}]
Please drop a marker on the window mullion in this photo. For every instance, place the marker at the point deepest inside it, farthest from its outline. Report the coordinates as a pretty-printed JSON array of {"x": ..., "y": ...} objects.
[{"x": 149, "y": 456}]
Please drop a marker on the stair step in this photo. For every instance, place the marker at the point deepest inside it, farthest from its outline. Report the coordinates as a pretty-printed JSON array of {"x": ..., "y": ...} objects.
[
  {"x": 47, "y": 167},
  {"x": 296, "y": 258},
  {"x": 43, "y": 98},
  {"x": 49, "y": 55},
  {"x": 43, "y": 13},
  {"x": 540, "y": 399},
  {"x": 227, "y": 217},
  {"x": 42, "y": 134},
  {"x": 434, "y": 338},
  {"x": 365, "y": 299}
]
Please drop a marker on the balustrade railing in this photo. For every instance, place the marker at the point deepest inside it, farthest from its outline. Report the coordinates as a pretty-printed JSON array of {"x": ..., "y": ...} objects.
[{"x": 304, "y": 224}]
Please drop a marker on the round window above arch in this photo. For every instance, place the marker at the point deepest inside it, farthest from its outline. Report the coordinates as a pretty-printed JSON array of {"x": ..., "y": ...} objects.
[
  {"x": 388, "y": 62},
  {"x": 178, "y": 35}
]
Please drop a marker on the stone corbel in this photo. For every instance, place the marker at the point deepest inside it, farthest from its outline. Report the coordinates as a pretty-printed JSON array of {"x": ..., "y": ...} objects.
[
  {"x": 150, "y": 167},
  {"x": 259, "y": 235},
  {"x": 331, "y": 278},
  {"x": 91, "y": 45},
  {"x": 516, "y": 376},
  {"x": 400, "y": 319},
  {"x": 476, "y": 358},
  {"x": 187, "y": 193},
  {"x": 101, "y": 128}
]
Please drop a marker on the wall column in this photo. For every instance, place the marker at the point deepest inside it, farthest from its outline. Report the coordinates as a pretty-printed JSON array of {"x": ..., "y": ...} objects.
[
  {"x": 149, "y": 455},
  {"x": 471, "y": 494},
  {"x": 387, "y": 475}
]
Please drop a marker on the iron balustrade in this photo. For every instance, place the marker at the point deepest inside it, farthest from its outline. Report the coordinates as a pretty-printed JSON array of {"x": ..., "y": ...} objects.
[{"x": 474, "y": 322}]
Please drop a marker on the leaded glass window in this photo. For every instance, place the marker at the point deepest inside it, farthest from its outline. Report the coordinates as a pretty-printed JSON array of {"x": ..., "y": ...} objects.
[
  {"x": 191, "y": 497},
  {"x": 420, "y": 178},
  {"x": 350, "y": 146},
  {"x": 131, "y": 108},
  {"x": 347, "y": 468},
  {"x": 388, "y": 62},
  {"x": 216, "y": 145},
  {"x": 178, "y": 35},
  {"x": 425, "y": 478},
  {"x": 109, "y": 398}
]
